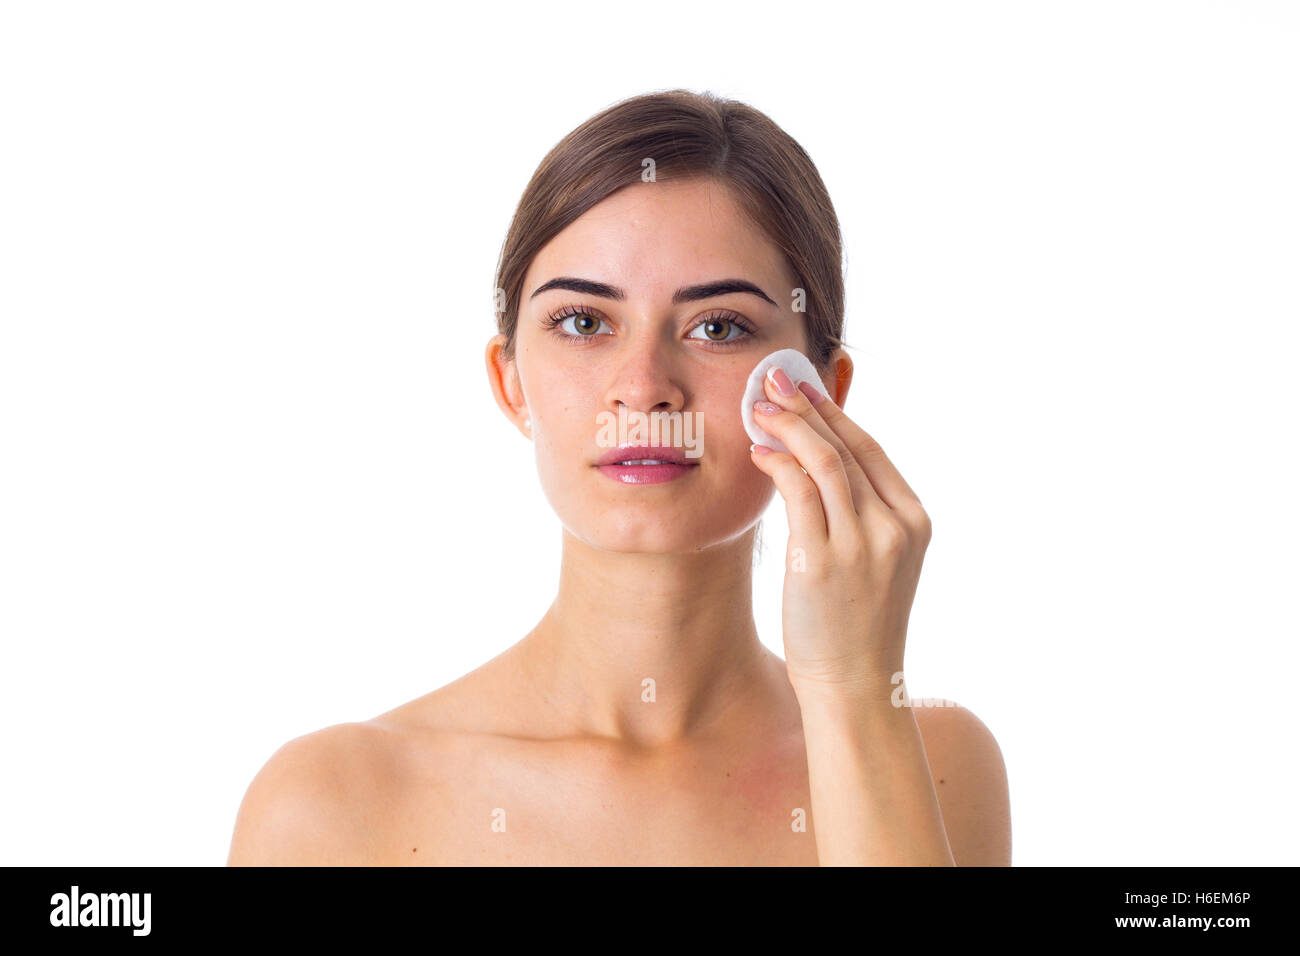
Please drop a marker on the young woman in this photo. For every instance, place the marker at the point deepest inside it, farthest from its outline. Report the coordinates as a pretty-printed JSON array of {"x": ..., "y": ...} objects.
[{"x": 660, "y": 251}]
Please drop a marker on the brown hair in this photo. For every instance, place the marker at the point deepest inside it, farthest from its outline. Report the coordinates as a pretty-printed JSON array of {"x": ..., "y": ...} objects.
[{"x": 687, "y": 135}]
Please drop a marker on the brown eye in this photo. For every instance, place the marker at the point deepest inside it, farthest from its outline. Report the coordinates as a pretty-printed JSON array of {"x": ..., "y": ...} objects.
[
  {"x": 722, "y": 330},
  {"x": 584, "y": 325}
]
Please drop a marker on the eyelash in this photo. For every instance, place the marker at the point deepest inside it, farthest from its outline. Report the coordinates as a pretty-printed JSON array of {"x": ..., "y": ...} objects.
[{"x": 552, "y": 322}]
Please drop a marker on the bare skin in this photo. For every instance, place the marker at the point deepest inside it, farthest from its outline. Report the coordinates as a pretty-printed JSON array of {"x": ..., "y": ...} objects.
[{"x": 550, "y": 753}]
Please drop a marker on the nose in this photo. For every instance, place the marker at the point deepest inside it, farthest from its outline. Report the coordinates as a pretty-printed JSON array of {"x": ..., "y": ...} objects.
[{"x": 646, "y": 381}]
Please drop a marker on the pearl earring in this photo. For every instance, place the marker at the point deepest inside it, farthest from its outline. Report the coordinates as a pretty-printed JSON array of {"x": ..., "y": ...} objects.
[{"x": 528, "y": 423}]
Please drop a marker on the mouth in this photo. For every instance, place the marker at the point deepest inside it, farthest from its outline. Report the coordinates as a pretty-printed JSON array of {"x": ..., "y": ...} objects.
[{"x": 646, "y": 464}]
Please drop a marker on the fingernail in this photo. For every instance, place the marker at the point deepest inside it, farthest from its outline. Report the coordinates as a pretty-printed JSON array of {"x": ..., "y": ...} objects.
[
  {"x": 767, "y": 408},
  {"x": 811, "y": 393},
  {"x": 781, "y": 380},
  {"x": 760, "y": 449}
]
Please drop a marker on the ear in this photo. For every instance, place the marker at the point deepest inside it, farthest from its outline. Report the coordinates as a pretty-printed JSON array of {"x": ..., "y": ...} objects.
[
  {"x": 503, "y": 376},
  {"x": 842, "y": 371}
]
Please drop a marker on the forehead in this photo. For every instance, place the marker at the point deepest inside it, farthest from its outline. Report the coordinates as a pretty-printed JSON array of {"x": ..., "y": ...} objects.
[{"x": 651, "y": 238}]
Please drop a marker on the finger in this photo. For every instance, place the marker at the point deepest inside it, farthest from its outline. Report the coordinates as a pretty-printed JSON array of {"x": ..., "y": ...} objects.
[
  {"x": 800, "y": 402},
  {"x": 885, "y": 478},
  {"x": 864, "y": 496},
  {"x": 803, "y": 501},
  {"x": 817, "y": 457}
]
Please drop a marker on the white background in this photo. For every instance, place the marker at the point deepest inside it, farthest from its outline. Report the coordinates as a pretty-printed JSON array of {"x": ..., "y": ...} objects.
[{"x": 254, "y": 482}]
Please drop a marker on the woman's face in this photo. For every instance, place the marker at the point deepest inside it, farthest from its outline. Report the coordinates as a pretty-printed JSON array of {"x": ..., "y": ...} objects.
[{"x": 629, "y": 345}]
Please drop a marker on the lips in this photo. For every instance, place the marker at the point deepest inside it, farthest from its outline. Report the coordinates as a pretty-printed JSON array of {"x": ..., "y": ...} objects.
[{"x": 662, "y": 454}]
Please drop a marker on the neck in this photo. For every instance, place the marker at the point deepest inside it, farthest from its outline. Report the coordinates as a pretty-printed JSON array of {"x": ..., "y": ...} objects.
[{"x": 683, "y": 621}]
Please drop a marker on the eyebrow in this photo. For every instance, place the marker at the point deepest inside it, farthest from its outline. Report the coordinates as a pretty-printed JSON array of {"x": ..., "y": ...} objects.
[{"x": 687, "y": 293}]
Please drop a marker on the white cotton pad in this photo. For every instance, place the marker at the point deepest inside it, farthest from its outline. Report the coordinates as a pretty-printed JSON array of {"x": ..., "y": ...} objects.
[{"x": 799, "y": 368}]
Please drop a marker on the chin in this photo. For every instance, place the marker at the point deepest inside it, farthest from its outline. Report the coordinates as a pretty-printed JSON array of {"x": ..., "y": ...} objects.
[{"x": 635, "y": 530}]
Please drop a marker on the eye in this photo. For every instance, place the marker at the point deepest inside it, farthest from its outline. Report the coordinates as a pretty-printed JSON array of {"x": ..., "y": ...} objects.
[
  {"x": 585, "y": 323},
  {"x": 719, "y": 329},
  {"x": 579, "y": 325}
]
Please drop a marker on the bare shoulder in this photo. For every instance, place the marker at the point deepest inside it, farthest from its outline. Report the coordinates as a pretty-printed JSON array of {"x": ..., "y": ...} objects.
[
  {"x": 970, "y": 778},
  {"x": 360, "y": 793},
  {"x": 307, "y": 806}
]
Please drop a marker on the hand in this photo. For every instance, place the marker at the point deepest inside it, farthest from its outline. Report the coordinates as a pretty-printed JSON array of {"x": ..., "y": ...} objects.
[{"x": 858, "y": 536}]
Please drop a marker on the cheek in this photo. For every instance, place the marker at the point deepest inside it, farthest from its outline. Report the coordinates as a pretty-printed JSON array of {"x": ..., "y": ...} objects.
[
  {"x": 724, "y": 427},
  {"x": 563, "y": 409},
  {"x": 748, "y": 490},
  {"x": 739, "y": 487},
  {"x": 562, "y": 402}
]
